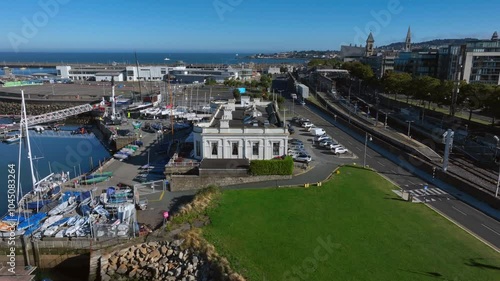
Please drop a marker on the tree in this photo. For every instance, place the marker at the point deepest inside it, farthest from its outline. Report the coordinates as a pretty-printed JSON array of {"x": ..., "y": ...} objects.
[
  {"x": 396, "y": 83},
  {"x": 422, "y": 88},
  {"x": 283, "y": 69},
  {"x": 493, "y": 102},
  {"x": 475, "y": 96},
  {"x": 211, "y": 81},
  {"x": 236, "y": 94},
  {"x": 359, "y": 70}
]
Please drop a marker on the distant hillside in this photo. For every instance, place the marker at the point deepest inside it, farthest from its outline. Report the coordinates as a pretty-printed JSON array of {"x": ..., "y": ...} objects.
[{"x": 427, "y": 44}]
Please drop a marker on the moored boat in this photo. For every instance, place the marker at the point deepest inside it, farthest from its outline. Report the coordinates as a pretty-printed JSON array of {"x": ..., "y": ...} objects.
[
  {"x": 12, "y": 138},
  {"x": 94, "y": 180},
  {"x": 137, "y": 124}
]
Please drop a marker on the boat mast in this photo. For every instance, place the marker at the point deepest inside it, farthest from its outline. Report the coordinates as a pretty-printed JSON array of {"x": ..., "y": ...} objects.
[
  {"x": 171, "y": 106},
  {"x": 113, "y": 109},
  {"x": 139, "y": 80},
  {"x": 25, "y": 123}
]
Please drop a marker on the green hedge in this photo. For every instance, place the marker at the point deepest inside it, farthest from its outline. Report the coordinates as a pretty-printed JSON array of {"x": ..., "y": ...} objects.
[{"x": 272, "y": 167}]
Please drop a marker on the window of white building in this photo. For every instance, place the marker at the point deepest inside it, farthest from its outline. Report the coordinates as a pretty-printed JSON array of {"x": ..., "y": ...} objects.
[
  {"x": 215, "y": 148},
  {"x": 234, "y": 146},
  {"x": 276, "y": 148},
  {"x": 255, "y": 148}
]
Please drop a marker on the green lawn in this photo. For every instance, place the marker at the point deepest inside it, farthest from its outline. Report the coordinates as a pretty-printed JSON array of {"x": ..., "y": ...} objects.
[{"x": 275, "y": 234}]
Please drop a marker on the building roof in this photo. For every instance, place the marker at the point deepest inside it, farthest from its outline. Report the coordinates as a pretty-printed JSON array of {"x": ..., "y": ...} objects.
[
  {"x": 248, "y": 117},
  {"x": 370, "y": 38},
  {"x": 351, "y": 51}
]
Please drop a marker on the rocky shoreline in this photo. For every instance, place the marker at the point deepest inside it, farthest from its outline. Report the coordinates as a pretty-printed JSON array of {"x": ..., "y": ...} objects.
[
  {"x": 13, "y": 108},
  {"x": 156, "y": 261}
]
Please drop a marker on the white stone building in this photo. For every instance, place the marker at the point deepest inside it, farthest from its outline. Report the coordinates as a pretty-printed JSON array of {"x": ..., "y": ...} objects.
[{"x": 241, "y": 132}]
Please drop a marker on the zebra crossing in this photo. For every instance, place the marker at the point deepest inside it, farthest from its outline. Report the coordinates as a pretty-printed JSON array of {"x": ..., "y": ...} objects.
[
  {"x": 429, "y": 191},
  {"x": 426, "y": 194}
]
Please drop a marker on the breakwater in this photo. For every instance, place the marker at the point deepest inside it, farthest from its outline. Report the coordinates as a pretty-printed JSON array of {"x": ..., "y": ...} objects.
[{"x": 13, "y": 108}]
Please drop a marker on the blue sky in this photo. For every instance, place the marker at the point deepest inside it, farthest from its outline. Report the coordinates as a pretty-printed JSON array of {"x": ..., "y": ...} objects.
[{"x": 235, "y": 25}]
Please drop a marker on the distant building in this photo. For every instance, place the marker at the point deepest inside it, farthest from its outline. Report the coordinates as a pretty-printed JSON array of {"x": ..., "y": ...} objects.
[
  {"x": 90, "y": 73},
  {"x": 180, "y": 74},
  {"x": 250, "y": 130},
  {"x": 418, "y": 63},
  {"x": 474, "y": 62},
  {"x": 482, "y": 61},
  {"x": 303, "y": 91},
  {"x": 351, "y": 53},
  {"x": 382, "y": 62},
  {"x": 272, "y": 70}
]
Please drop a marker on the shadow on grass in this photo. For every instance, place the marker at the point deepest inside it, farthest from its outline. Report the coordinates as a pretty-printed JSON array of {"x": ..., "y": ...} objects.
[
  {"x": 395, "y": 199},
  {"x": 480, "y": 262},
  {"x": 428, "y": 274}
]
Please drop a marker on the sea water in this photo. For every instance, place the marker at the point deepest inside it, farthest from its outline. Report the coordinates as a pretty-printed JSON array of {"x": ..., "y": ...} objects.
[{"x": 51, "y": 151}]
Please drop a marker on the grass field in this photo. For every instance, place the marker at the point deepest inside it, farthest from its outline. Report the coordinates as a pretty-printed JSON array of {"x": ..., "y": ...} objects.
[{"x": 351, "y": 228}]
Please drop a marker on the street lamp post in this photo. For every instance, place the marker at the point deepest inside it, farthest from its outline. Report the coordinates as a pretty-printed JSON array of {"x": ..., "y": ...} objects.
[
  {"x": 366, "y": 144},
  {"x": 498, "y": 183},
  {"x": 496, "y": 147},
  {"x": 409, "y": 126}
]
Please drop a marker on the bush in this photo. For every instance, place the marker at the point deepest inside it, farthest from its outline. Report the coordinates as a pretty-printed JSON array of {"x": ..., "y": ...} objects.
[{"x": 272, "y": 167}]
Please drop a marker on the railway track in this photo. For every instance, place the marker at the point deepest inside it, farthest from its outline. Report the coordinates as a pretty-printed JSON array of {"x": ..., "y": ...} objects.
[{"x": 469, "y": 172}]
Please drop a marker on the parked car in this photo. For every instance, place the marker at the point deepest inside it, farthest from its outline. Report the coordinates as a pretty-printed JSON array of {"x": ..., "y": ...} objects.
[
  {"x": 340, "y": 150},
  {"x": 296, "y": 146},
  {"x": 322, "y": 137},
  {"x": 291, "y": 130},
  {"x": 307, "y": 124},
  {"x": 295, "y": 153},
  {"x": 334, "y": 145},
  {"x": 327, "y": 143},
  {"x": 303, "y": 158},
  {"x": 317, "y": 131},
  {"x": 295, "y": 141}
]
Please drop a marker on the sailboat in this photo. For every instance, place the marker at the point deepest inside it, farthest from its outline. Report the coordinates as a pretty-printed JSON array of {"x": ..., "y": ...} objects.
[{"x": 166, "y": 59}]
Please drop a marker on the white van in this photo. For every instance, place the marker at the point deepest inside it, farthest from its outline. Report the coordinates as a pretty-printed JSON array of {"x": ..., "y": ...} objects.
[{"x": 317, "y": 131}]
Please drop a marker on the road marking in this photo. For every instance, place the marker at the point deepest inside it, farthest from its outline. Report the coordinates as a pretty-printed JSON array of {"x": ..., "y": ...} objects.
[
  {"x": 369, "y": 156},
  {"x": 350, "y": 142},
  {"x": 459, "y": 211},
  {"x": 381, "y": 164},
  {"x": 358, "y": 148},
  {"x": 159, "y": 199},
  {"x": 490, "y": 229}
]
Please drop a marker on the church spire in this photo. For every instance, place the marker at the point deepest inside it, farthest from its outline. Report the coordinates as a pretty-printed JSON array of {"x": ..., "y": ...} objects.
[
  {"x": 408, "y": 41},
  {"x": 494, "y": 37},
  {"x": 369, "y": 45}
]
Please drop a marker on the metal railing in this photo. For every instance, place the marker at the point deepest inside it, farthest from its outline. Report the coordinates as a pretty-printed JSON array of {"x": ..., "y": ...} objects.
[{"x": 58, "y": 115}]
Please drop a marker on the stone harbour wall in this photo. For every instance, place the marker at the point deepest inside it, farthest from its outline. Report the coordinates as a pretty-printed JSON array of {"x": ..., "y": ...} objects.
[
  {"x": 154, "y": 261},
  {"x": 188, "y": 182}
]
